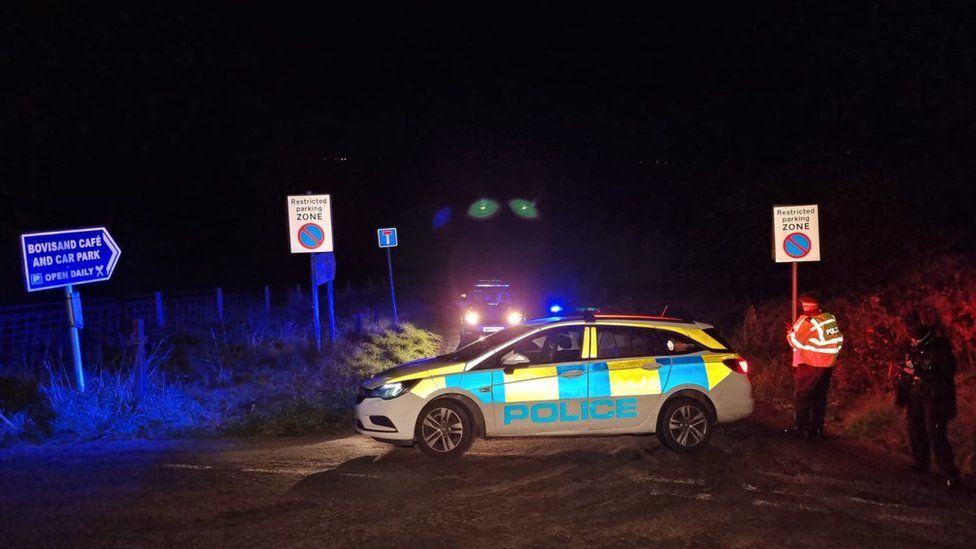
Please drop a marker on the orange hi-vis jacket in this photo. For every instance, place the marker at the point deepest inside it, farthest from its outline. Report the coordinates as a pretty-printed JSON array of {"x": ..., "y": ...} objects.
[{"x": 816, "y": 340}]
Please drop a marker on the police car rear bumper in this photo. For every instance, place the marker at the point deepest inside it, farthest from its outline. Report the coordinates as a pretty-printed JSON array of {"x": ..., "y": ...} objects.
[{"x": 732, "y": 398}]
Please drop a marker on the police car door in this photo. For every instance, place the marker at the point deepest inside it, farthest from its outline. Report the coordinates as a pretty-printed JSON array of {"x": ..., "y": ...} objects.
[
  {"x": 625, "y": 372},
  {"x": 536, "y": 381}
]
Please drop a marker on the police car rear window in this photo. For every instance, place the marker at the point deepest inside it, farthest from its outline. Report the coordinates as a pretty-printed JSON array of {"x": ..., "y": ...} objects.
[{"x": 713, "y": 333}]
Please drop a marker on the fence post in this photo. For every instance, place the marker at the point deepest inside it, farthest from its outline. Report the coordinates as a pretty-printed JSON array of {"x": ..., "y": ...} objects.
[
  {"x": 267, "y": 299},
  {"x": 220, "y": 304},
  {"x": 139, "y": 341},
  {"x": 298, "y": 292},
  {"x": 160, "y": 314}
]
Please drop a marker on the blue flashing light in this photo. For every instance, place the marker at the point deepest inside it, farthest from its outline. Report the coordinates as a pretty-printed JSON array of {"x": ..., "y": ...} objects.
[
  {"x": 555, "y": 309},
  {"x": 441, "y": 217}
]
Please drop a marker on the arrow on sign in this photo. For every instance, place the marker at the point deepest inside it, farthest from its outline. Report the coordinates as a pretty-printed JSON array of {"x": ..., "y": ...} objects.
[{"x": 63, "y": 258}]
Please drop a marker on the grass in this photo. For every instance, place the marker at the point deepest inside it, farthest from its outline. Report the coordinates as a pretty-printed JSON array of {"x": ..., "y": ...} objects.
[{"x": 260, "y": 377}]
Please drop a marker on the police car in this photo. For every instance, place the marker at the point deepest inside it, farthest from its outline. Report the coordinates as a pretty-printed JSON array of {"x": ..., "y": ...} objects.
[{"x": 589, "y": 375}]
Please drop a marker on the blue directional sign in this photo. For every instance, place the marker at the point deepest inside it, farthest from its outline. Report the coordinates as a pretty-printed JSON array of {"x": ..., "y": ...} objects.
[
  {"x": 64, "y": 258},
  {"x": 387, "y": 237}
]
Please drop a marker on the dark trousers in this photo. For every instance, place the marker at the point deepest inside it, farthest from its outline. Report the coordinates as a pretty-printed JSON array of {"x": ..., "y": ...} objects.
[
  {"x": 928, "y": 430},
  {"x": 810, "y": 386}
]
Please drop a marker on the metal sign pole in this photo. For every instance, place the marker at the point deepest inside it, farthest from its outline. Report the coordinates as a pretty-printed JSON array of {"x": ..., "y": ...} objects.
[
  {"x": 316, "y": 321},
  {"x": 793, "y": 318},
  {"x": 332, "y": 322},
  {"x": 389, "y": 266},
  {"x": 75, "y": 340}
]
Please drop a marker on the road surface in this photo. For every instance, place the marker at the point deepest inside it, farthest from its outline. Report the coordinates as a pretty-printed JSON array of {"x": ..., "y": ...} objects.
[{"x": 751, "y": 488}]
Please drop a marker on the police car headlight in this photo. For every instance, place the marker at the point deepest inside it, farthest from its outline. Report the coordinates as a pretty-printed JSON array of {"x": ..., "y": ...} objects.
[
  {"x": 392, "y": 390},
  {"x": 471, "y": 317},
  {"x": 515, "y": 317}
]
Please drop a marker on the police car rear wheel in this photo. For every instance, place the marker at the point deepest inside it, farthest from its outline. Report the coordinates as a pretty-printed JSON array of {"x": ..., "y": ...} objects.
[
  {"x": 685, "y": 425},
  {"x": 444, "y": 429}
]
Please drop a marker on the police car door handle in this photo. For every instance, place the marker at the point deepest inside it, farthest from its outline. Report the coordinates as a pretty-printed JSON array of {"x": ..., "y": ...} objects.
[{"x": 571, "y": 373}]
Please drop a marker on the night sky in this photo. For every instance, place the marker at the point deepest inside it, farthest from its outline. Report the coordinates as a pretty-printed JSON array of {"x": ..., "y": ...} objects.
[{"x": 654, "y": 143}]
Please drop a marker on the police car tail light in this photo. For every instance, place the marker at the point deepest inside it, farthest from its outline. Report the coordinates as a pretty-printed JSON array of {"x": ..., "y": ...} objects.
[
  {"x": 739, "y": 365},
  {"x": 471, "y": 317}
]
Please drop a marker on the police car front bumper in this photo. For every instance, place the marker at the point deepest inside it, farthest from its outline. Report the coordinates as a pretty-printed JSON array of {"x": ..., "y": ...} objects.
[{"x": 392, "y": 420}]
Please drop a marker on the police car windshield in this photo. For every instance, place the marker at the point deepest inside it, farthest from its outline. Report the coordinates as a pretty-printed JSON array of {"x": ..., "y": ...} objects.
[{"x": 477, "y": 348}]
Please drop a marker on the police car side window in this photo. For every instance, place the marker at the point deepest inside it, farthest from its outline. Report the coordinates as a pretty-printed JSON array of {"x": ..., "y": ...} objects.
[
  {"x": 625, "y": 341},
  {"x": 563, "y": 344},
  {"x": 674, "y": 343}
]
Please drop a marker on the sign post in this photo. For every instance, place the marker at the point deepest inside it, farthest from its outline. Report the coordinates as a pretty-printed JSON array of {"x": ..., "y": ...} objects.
[
  {"x": 63, "y": 259},
  {"x": 316, "y": 318},
  {"x": 796, "y": 239},
  {"x": 310, "y": 232},
  {"x": 388, "y": 239}
]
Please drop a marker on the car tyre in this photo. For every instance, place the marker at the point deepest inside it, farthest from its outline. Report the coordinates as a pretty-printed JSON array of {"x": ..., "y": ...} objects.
[
  {"x": 445, "y": 429},
  {"x": 685, "y": 425}
]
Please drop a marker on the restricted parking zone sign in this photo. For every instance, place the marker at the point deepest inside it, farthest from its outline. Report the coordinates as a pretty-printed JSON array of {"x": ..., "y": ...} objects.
[
  {"x": 796, "y": 233},
  {"x": 310, "y": 223}
]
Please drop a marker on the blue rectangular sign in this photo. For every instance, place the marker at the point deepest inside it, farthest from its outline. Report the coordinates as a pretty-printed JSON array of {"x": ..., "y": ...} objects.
[
  {"x": 63, "y": 258},
  {"x": 325, "y": 267},
  {"x": 387, "y": 237}
]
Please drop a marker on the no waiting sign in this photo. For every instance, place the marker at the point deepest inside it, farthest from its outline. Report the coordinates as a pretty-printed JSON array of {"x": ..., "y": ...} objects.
[
  {"x": 310, "y": 223},
  {"x": 796, "y": 233}
]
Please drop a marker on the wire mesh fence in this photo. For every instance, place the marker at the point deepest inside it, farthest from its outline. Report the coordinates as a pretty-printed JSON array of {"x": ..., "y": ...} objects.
[
  {"x": 32, "y": 334},
  {"x": 37, "y": 332}
]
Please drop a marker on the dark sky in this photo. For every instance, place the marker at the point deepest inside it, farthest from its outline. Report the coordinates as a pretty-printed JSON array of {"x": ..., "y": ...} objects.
[{"x": 654, "y": 143}]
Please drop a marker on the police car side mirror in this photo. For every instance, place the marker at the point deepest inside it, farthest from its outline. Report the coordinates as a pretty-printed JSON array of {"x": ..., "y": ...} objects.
[{"x": 512, "y": 360}]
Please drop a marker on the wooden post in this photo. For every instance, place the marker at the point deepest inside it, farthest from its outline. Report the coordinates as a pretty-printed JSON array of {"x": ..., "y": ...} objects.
[
  {"x": 160, "y": 313},
  {"x": 220, "y": 304},
  {"x": 139, "y": 342}
]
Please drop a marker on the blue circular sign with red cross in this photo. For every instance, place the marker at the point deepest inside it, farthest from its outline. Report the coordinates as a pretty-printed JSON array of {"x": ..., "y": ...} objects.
[
  {"x": 797, "y": 245},
  {"x": 311, "y": 236}
]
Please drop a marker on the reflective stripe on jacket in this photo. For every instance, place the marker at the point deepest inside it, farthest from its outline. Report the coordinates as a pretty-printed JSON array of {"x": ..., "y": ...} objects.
[{"x": 816, "y": 340}]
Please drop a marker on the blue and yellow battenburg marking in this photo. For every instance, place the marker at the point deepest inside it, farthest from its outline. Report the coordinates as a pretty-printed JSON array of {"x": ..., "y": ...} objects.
[{"x": 601, "y": 382}]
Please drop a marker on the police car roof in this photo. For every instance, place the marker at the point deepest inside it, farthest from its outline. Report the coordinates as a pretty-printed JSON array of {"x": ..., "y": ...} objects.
[{"x": 610, "y": 317}]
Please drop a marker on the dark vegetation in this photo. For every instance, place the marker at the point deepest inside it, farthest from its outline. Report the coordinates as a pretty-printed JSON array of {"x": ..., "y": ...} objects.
[
  {"x": 258, "y": 377},
  {"x": 862, "y": 405}
]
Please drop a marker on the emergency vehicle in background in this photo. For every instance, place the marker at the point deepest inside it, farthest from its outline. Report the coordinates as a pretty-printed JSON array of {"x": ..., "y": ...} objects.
[
  {"x": 486, "y": 308},
  {"x": 587, "y": 375}
]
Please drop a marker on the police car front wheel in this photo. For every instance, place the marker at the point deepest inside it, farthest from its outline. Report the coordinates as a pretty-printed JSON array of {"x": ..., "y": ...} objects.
[
  {"x": 444, "y": 429},
  {"x": 685, "y": 425}
]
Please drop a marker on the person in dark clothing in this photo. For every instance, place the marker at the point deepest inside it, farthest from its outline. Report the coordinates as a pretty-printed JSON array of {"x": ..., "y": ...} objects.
[{"x": 927, "y": 388}]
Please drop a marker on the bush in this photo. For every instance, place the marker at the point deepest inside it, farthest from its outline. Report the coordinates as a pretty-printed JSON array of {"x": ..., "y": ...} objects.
[
  {"x": 875, "y": 339},
  {"x": 110, "y": 407},
  {"x": 24, "y": 412},
  {"x": 874, "y": 416}
]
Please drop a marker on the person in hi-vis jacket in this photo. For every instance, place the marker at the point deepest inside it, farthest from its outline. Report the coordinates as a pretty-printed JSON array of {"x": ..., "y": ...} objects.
[{"x": 816, "y": 340}]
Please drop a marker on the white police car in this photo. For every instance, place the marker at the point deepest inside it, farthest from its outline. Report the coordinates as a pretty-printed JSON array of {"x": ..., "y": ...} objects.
[{"x": 592, "y": 375}]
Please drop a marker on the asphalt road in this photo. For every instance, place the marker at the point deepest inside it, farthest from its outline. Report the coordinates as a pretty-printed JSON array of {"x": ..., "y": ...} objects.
[{"x": 751, "y": 488}]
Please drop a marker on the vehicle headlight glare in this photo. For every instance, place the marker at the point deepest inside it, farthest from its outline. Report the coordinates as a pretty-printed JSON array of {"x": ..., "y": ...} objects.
[
  {"x": 515, "y": 317},
  {"x": 471, "y": 317},
  {"x": 390, "y": 390}
]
